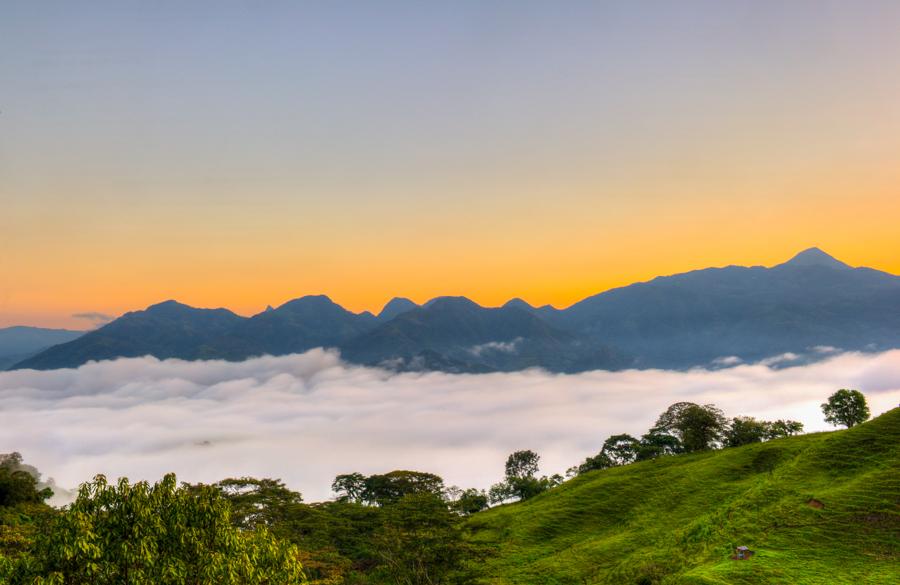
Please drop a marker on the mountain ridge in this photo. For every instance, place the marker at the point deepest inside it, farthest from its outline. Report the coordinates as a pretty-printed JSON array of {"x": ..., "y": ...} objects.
[{"x": 696, "y": 318}]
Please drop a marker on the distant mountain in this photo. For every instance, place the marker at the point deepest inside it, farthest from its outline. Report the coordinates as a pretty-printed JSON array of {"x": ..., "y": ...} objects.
[
  {"x": 807, "y": 307},
  {"x": 296, "y": 326},
  {"x": 394, "y": 307},
  {"x": 166, "y": 330},
  {"x": 809, "y": 304},
  {"x": 18, "y": 343},
  {"x": 470, "y": 338}
]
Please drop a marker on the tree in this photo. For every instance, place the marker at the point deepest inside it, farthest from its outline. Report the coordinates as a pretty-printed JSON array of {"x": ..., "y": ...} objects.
[
  {"x": 599, "y": 461},
  {"x": 349, "y": 487},
  {"x": 257, "y": 502},
  {"x": 745, "y": 430},
  {"x": 783, "y": 428},
  {"x": 620, "y": 449},
  {"x": 698, "y": 428},
  {"x": 521, "y": 481},
  {"x": 522, "y": 464},
  {"x": 846, "y": 407},
  {"x": 393, "y": 486},
  {"x": 470, "y": 501},
  {"x": 657, "y": 443},
  {"x": 162, "y": 533},
  {"x": 420, "y": 543},
  {"x": 17, "y": 484}
]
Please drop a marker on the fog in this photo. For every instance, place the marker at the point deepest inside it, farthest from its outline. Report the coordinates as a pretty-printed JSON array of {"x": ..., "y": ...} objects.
[{"x": 305, "y": 418}]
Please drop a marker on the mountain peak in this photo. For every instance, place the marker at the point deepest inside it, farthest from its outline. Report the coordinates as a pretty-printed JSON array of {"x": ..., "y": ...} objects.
[
  {"x": 518, "y": 304},
  {"x": 451, "y": 301},
  {"x": 309, "y": 301},
  {"x": 815, "y": 257},
  {"x": 168, "y": 307},
  {"x": 396, "y": 306}
]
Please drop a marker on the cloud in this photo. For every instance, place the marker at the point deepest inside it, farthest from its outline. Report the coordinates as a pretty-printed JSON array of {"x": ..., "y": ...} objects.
[
  {"x": 726, "y": 361},
  {"x": 498, "y": 346},
  {"x": 306, "y": 418},
  {"x": 782, "y": 359},
  {"x": 97, "y": 319}
]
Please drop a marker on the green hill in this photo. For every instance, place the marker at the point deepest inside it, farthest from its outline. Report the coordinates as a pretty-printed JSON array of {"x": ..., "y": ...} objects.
[{"x": 819, "y": 508}]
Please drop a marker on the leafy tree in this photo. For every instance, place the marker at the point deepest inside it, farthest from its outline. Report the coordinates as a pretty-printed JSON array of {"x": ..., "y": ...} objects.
[
  {"x": 350, "y": 487},
  {"x": 698, "y": 428},
  {"x": 599, "y": 461},
  {"x": 657, "y": 443},
  {"x": 783, "y": 428},
  {"x": 620, "y": 449},
  {"x": 745, "y": 430},
  {"x": 521, "y": 481},
  {"x": 522, "y": 464},
  {"x": 846, "y": 407},
  {"x": 470, "y": 501},
  {"x": 257, "y": 503},
  {"x": 22, "y": 508},
  {"x": 391, "y": 487},
  {"x": 421, "y": 543},
  {"x": 143, "y": 534},
  {"x": 17, "y": 484}
]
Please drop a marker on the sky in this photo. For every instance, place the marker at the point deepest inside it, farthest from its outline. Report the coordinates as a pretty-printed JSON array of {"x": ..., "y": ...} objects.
[
  {"x": 241, "y": 154},
  {"x": 307, "y": 418}
]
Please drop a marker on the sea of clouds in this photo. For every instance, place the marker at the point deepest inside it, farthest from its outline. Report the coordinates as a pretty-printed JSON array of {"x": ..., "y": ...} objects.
[{"x": 306, "y": 418}]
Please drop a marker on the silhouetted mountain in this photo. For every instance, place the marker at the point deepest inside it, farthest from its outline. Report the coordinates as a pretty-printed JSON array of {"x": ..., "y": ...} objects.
[
  {"x": 169, "y": 329},
  {"x": 394, "y": 307},
  {"x": 815, "y": 257},
  {"x": 464, "y": 336},
  {"x": 18, "y": 343},
  {"x": 810, "y": 306},
  {"x": 805, "y": 306},
  {"x": 294, "y": 327}
]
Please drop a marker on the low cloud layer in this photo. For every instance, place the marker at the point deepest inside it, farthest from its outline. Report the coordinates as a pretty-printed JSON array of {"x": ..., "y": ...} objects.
[
  {"x": 305, "y": 418},
  {"x": 97, "y": 319}
]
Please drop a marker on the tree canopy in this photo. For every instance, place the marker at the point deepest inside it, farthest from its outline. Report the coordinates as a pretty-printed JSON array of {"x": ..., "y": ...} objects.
[
  {"x": 153, "y": 534},
  {"x": 846, "y": 407}
]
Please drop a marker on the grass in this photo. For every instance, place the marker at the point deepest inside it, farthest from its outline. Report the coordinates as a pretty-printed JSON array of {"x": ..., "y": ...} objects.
[{"x": 677, "y": 520}]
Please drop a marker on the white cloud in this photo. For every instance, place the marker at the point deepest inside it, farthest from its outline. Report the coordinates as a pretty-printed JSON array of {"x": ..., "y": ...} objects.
[
  {"x": 784, "y": 358},
  {"x": 727, "y": 361},
  {"x": 305, "y": 418},
  {"x": 500, "y": 346}
]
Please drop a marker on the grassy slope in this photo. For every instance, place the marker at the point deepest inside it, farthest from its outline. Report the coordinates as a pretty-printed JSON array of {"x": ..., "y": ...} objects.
[{"x": 677, "y": 519}]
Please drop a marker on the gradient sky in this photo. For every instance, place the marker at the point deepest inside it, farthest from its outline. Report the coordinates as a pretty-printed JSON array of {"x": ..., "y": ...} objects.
[{"x": 242, "y": 154}]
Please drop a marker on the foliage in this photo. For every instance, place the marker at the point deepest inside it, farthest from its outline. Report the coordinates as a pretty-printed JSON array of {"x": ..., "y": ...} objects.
[
  {"x": 699, "y": 428},
  {"x": 382, "y": 489},
  {"x": 470, "y": 501},
  {"x": 17, "y": 485},
  {"x": 656, "y": 443},
  {"x": 143, "y": 534},
  {"x": 744, "y": 430},
  {"x": 783, "y": 428},
  {"x": 257, "y": 503},
  {"x": 421, "y": 543},
  {"x": 621, "y": 449},
  {"x": 846, "y": 407},
  {"x": 521, "y": 481},
  {"x": 522, "y": 464},
  {"x": 350, "y": 487}
]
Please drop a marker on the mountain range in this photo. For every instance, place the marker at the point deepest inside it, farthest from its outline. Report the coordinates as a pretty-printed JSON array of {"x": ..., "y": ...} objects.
[
  {"x": 811, "y": 306},
  {"x": 18, "y": 343}
]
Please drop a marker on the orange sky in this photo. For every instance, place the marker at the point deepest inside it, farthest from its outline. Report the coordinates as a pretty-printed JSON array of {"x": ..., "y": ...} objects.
[{"x": 547, "y": 154}]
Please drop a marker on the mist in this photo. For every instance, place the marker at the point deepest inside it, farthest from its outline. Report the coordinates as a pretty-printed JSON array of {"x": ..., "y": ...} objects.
[{"x": 306, "y": 418}]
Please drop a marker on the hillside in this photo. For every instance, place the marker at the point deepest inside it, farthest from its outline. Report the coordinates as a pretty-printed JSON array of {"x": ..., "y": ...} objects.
[{"x": 676, "y": 520}]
